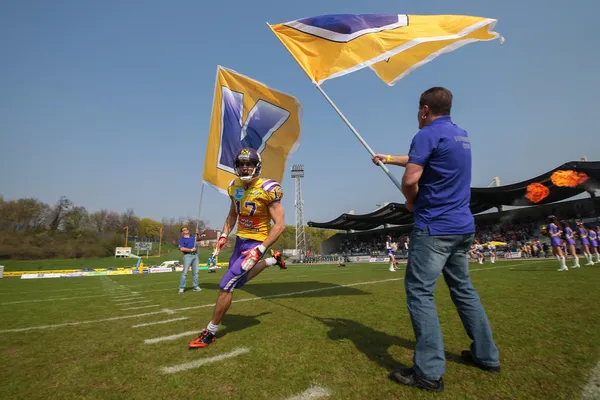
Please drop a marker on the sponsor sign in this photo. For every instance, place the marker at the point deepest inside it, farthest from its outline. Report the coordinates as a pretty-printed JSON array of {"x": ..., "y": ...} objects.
[
  {"x": 122, "y": 251},
  {"x": 160, "y": 269},
  {"x": 40, "y": 276},
  {"x": 360, "y": 259},
  {"x": 379, "y": 259},
  {"x": 147, "y": 246}
]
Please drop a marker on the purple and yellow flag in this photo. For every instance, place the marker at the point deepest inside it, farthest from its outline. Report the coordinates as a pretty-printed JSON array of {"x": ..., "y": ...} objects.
[
  {"x": 247, "y": 113},
  {"x": 330, "y": 46}
]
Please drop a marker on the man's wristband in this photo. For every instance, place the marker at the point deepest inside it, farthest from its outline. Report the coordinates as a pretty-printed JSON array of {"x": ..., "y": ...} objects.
[
  {"x": 389, "y": 158},
  {"x": 262, "y": 249}
]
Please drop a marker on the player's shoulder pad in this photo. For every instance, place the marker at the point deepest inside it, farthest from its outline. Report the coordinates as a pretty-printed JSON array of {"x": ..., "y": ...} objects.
[
  {"x": 273, "y": 189},
  {"x": 232, "y": 183}
]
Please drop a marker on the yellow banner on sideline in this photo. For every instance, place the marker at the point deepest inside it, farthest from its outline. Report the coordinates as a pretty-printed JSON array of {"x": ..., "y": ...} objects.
[
  {"x": 393, "y": 45},
  {"x": 247, "y": 113}
]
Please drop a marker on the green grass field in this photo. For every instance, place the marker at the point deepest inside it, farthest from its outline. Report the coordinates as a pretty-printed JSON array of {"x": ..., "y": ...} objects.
[{"x": 340, "y": 329}]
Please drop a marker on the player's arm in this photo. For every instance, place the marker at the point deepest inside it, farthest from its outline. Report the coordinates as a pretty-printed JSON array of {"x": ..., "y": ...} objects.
[
  {"x": 400, "y": 161},
  {"x": 230, "y": 220},
  {"x": 227, "y": 228},
  {"x": 277, "y": 214}
]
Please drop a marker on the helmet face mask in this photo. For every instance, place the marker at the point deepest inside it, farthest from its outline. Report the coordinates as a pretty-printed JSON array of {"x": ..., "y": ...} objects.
[{"x": 247, "y": 164}]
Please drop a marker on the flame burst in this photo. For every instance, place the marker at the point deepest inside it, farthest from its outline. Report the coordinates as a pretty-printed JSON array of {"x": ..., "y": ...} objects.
[
  {"x": 568, "y": 178},
  {"x": 537, "y": 192}
]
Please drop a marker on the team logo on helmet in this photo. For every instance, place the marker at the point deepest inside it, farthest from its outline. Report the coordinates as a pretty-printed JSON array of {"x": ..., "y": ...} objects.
[{"x": 248, "y": 155}]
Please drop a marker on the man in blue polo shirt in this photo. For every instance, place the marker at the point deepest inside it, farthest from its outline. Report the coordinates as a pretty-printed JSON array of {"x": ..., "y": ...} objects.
[
  {"x": 437, "y": 187},
  {"x": 187, "y": 245}
]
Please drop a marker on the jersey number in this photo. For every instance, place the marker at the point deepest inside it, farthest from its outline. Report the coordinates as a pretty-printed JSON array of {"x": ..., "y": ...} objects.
[{"x": 249, "y": 204}]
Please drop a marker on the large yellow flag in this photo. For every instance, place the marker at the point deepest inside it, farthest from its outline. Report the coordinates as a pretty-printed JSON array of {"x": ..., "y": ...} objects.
[
  {"x": 247, "y": 113},
  {"x": 329, "y": 46}
]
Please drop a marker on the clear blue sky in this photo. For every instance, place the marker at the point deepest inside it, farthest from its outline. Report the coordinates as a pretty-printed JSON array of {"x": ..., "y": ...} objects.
[{"x": 108, "y": 102}]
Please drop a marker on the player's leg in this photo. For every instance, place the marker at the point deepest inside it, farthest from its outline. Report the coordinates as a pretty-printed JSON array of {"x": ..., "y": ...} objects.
[{"x": 276, "y": 259}]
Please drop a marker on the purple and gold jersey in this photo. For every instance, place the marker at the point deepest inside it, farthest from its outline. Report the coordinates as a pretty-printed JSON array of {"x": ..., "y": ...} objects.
[{"x": 252, "y": 204}]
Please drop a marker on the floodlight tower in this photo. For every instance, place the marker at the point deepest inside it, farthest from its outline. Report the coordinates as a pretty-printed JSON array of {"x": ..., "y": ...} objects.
[{"x": 298, "y": 174}]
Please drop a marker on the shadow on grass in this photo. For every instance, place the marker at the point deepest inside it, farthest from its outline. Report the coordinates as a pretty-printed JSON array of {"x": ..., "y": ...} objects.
[
  {"x": 300, "y": 289},
  {"x": 234, "y": 322},
  {"x": 372, "y": 343}
]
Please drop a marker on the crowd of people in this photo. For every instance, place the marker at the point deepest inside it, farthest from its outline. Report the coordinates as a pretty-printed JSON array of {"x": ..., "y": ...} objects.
[{"x": 522, "y": 238}]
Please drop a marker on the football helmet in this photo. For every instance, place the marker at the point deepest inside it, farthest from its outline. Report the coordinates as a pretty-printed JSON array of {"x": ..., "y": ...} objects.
[{"x": 245, "y": 156}]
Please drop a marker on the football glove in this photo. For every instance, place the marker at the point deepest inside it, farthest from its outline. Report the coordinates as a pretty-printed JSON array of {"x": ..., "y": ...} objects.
[
  {"x": 252, "y": 257},
  {"x": 220, "y": 244}
]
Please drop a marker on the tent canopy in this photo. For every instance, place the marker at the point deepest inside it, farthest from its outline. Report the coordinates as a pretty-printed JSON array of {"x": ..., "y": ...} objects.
[{"x": 482, "y": 199}]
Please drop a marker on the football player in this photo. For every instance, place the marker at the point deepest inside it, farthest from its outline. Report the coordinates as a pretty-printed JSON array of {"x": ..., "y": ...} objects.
[{"x": 255, "y": 202}]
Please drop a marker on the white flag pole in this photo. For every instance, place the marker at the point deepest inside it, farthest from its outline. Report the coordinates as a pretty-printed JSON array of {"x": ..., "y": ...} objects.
[
  {"x": 365, "y": 144},
  {"x": 381, "y": 164},
  {"x": 199, "y": 207}
]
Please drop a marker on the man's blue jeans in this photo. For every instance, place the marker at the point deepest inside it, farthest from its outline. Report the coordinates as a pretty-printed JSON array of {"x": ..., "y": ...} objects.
[
  {"x": 189, "y": 260},
  {"x": 429, "y": 257}
]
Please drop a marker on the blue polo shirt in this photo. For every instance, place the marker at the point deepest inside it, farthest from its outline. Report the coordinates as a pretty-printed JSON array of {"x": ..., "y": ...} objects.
[
  {"x": 188, "y": 243},
  {"x": 443, "y": 201}
]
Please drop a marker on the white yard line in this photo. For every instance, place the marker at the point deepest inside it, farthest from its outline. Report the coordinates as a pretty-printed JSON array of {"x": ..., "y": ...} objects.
[
  {"x": 313, "y": 392},
  {"x": 322, "y": 289},
  {"x": 166, "y": 321},
  {"x": 167, "y": 311},
  {"x": 95, "y": 321},
  {"x": 171, "y": 337},
  {"x": 203, "y": 361},
  {"x": 116, "y": 298},
  {"x": 591, "y": 391},
  {"x": 138, "y": 308},
  {"x": 126, "y": 303}
]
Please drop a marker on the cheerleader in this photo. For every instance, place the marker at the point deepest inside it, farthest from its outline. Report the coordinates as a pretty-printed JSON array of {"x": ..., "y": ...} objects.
[
  {"x": 585, "y": 242},
  {"x": 556, "y": 243},
  {"x": 492, "y": 250},
  {"x": 389, "y": 245},
  {"x": 568, "y": 232},
  {"x": 593, "y": 235},
  {"x": 479, "y": 251}
]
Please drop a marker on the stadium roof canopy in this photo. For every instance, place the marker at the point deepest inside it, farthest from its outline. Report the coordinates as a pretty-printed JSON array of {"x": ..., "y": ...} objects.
[{"x": 482, "y": 199}]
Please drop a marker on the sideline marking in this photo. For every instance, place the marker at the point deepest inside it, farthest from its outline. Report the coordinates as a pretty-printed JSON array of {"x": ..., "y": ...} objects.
[
  {"x": 166, "y": 321},
  {"x": 203, "y": 361}
]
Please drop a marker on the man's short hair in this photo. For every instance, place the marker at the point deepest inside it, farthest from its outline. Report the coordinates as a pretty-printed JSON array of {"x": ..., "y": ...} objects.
[
  {"x": 438, "y": 99},
  {"x": 182, "y": 228}
]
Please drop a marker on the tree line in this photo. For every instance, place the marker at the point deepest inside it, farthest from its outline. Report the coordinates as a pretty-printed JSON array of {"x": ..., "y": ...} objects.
[{"x": 31, "y": 229}]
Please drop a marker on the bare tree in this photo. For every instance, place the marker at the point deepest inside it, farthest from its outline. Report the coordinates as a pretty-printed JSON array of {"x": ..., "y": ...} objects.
[{"x": 58, "y": 212}]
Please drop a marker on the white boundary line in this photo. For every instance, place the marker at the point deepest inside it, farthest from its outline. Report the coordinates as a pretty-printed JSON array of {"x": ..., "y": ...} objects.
[
  {"x": 591, "y": 390},
  {"x": 126, "y": 303},
  {"x": 168, "y": 311},
  {"x": 138, "y": 308},
  {"x": 313, "y": 392},
  {"x": 95, "y": 321},
  {"x": 203, "y": 361},
  {"x": 172, "y": 337},
  {"x": 166, "y": 321}
]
